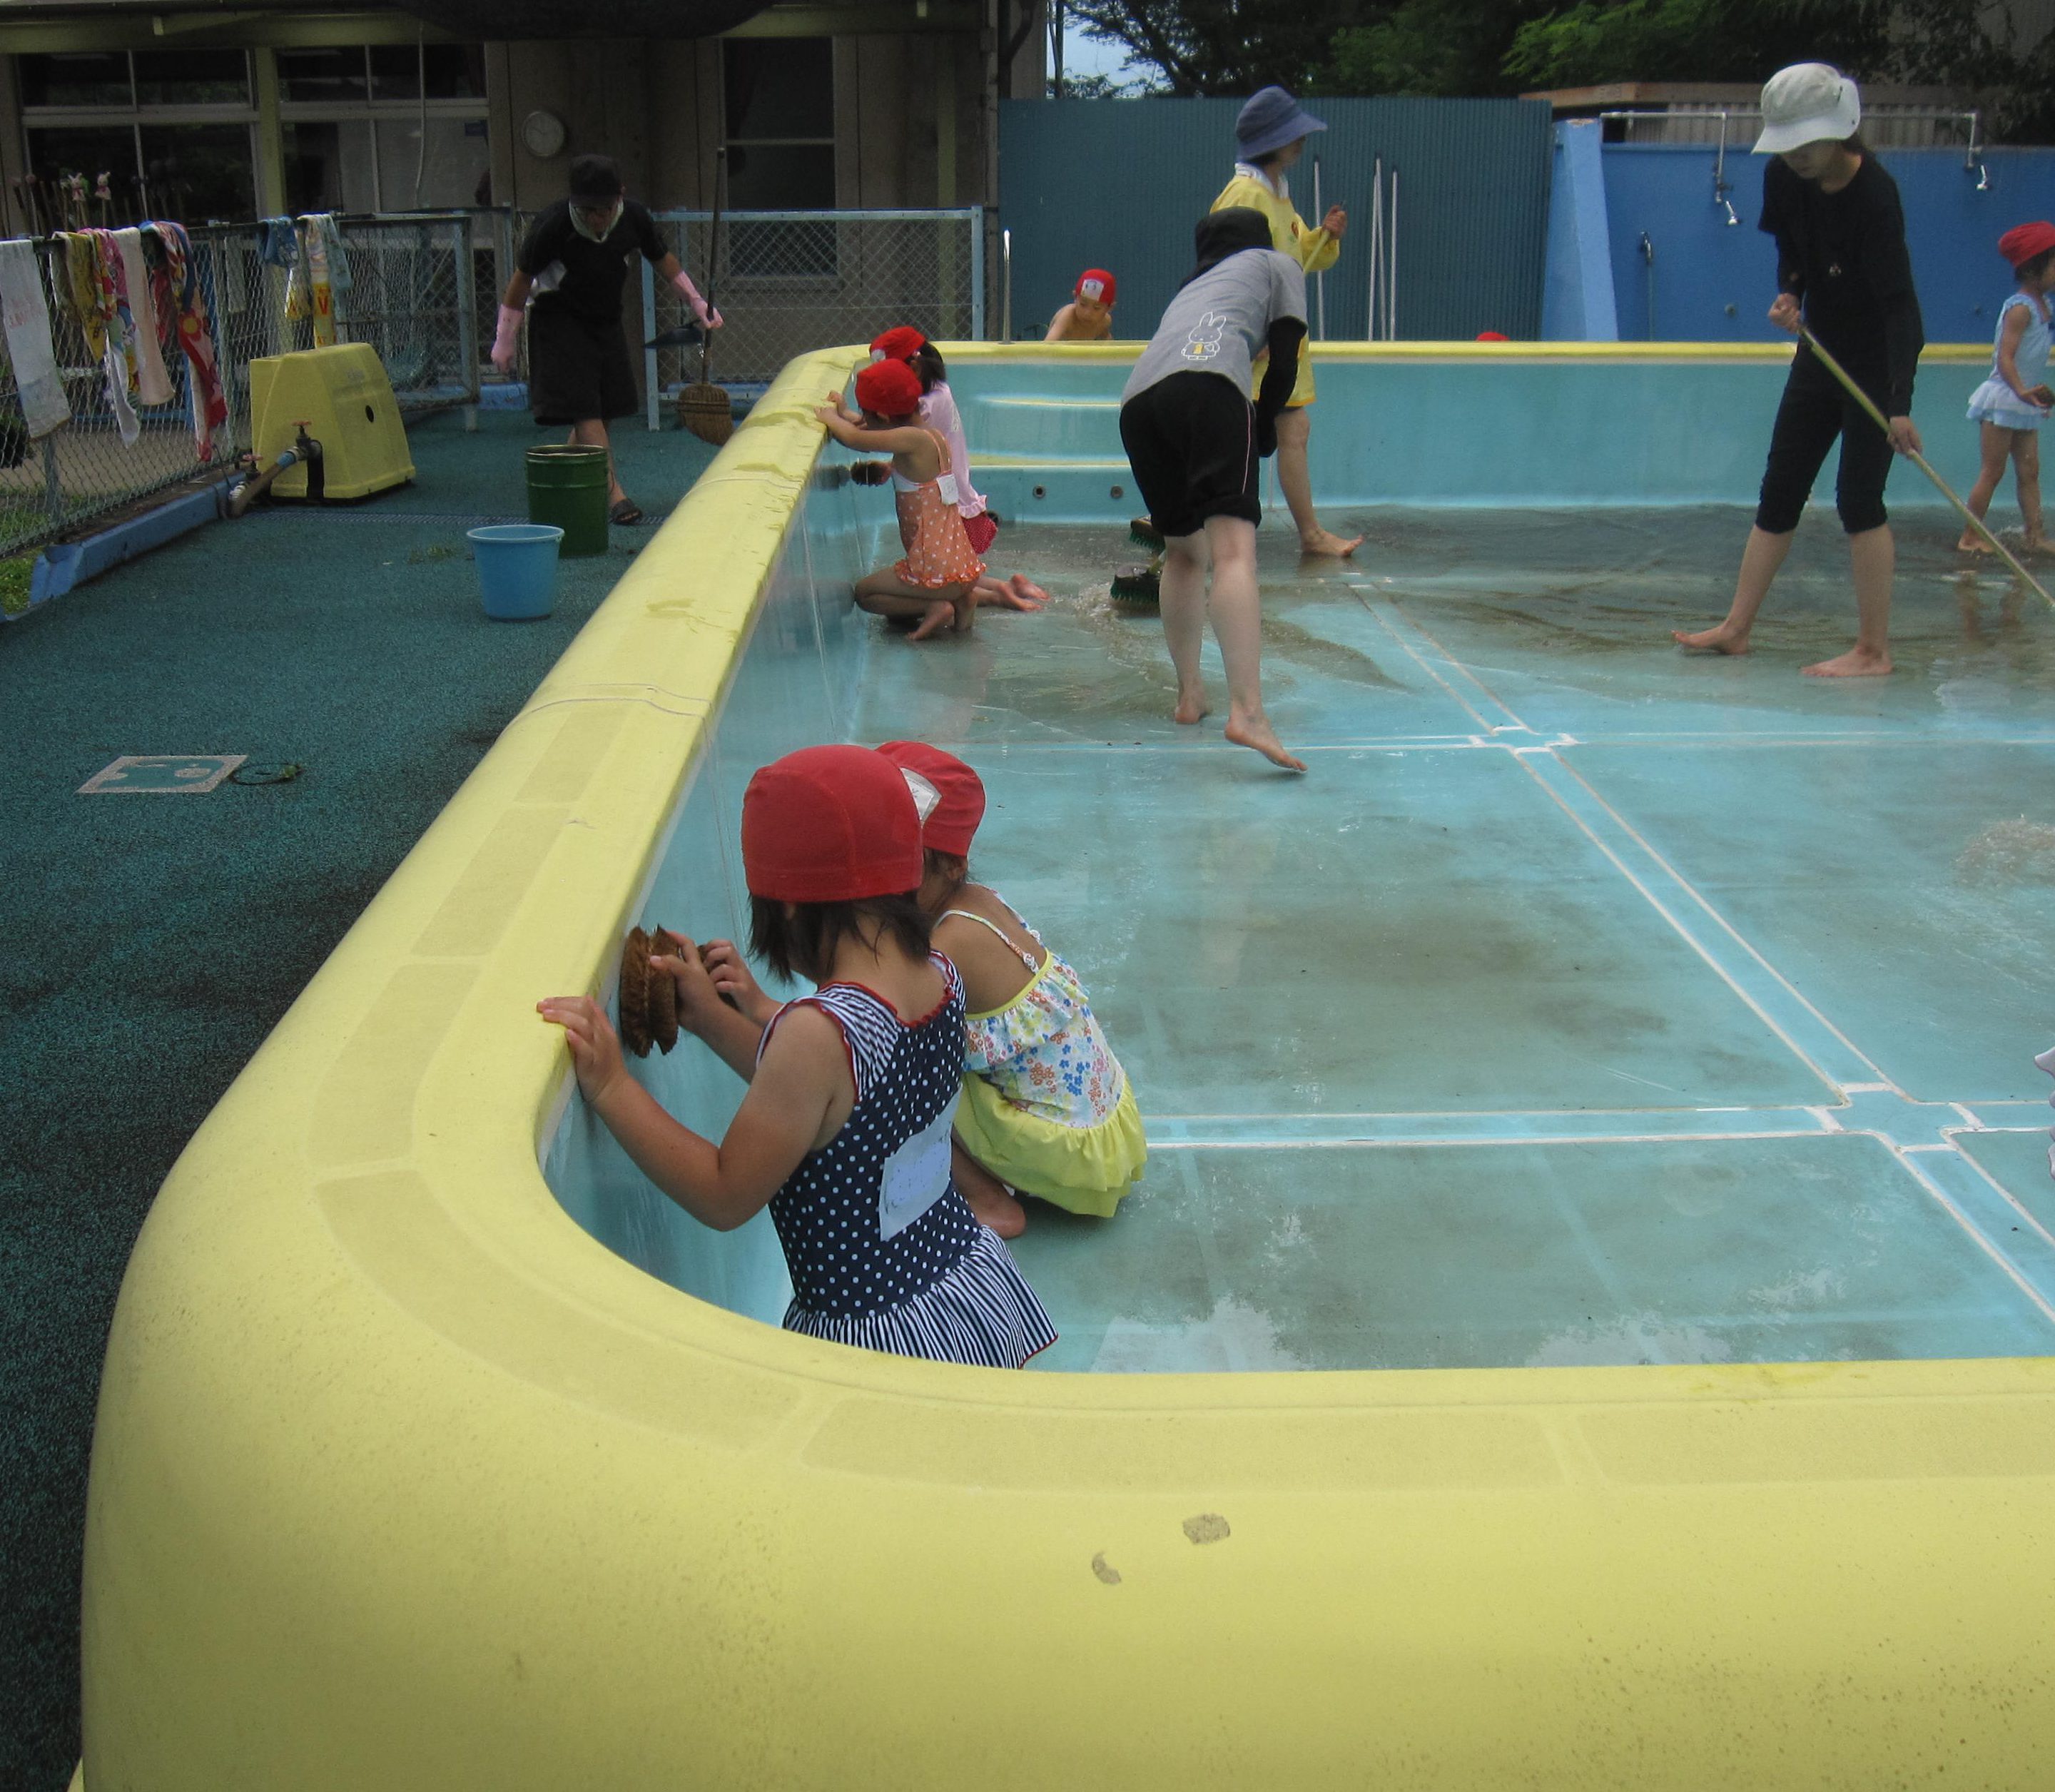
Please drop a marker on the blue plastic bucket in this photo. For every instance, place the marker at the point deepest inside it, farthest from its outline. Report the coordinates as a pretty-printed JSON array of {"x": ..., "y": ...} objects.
[{"x": 517, "y": 568}]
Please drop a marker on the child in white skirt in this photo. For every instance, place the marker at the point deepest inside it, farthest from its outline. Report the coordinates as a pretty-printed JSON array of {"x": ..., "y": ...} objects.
[{"x": 2008, "y": 408}]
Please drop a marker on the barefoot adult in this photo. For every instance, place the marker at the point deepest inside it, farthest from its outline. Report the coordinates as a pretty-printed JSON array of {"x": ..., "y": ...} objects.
[
  {"x": 1270, "y": 137},
  {"x": 1842, "y": 272},
  {"x": 574, "y": 261},
  {"x": 1196, "y": 443}
]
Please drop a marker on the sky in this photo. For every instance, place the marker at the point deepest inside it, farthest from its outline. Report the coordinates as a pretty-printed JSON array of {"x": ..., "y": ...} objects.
[{"x": 1084, "y": 56}]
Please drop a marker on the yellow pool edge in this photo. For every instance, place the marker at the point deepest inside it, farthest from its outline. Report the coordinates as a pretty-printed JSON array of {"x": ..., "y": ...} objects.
[{"x": 400, "y": 1479}]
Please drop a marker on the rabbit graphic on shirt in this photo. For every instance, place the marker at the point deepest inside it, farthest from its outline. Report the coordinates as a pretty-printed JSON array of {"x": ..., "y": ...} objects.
[{"x": 1204, "y": 342}]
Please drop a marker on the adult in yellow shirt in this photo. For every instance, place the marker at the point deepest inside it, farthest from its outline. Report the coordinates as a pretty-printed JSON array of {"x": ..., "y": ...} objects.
[{"x": 1270, "y": 136}]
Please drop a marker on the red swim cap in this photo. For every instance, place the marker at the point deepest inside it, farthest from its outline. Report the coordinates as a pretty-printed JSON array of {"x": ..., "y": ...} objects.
[
  {"x": 2023, "y": 241},
  {"x": 902, "y": 342},
  {"x": 1492, "y": 336},
  {"x": 950, "y": 828},
  {"x": 889, "y": 388},
  {"x": 830, "y": 824},
  {"x": 1095, "y": 277}
]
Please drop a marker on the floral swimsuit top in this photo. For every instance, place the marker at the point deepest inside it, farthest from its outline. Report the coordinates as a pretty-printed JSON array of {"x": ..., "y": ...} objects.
[{"x": 1044, "y": 1051}]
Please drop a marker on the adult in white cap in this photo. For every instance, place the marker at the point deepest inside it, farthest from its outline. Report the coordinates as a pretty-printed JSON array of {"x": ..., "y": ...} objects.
[
  {"x": 1270, "y": 136},
  {"x": 1843, "y": 275}
]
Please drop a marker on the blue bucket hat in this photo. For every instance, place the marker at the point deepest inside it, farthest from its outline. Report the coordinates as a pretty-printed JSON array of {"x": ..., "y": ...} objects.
[{"x": 1270, "y": 120}]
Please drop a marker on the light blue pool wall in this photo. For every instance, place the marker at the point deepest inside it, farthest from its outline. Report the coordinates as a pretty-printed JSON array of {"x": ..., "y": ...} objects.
[
  {"x": 1472, "y": 427},
  {"x": 796, "y": 687}
]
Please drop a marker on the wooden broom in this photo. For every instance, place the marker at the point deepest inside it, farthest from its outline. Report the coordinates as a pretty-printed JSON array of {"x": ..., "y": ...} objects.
[{"x": 705, "y": 408}]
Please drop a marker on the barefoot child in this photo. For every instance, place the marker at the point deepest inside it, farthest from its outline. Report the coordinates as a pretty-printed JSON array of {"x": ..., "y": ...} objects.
[
  {"x": 1195, "y": 443},
  {"x": 845, "y": 1131},
  {"x": 938, "y": 413},
  {"x": 1842, "y": 272},
  {"x": 932, "y": 587},
  {"x": 2008, "y": 408},
  {"x": 1089, "y": 315}
]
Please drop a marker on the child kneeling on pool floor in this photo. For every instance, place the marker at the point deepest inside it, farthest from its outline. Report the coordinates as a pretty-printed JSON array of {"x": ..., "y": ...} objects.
[
  {"x": 844, "y": 1133},
  {"x": 934, "y": 585},
  {"x": 1046, "y": 1109}
]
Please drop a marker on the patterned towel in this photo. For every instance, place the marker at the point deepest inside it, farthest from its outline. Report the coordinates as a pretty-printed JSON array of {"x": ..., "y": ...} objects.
[
  {"x": 153, "y": 383},
  {"x": 183, "y": 300},
  {"x": 25, "y": 314}
]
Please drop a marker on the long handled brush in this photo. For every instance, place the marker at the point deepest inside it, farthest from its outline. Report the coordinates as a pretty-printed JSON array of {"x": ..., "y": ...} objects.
[
  {"x": 705, "y": 408},
  {"x": 1920, "y": 461}
]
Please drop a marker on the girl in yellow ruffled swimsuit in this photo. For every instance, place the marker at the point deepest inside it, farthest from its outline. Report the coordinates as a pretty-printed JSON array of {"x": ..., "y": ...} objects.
[{"x": 1046, "y": 1109}]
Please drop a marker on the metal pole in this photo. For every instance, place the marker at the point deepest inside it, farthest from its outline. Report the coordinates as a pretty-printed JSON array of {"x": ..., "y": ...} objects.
[
  {"x": 1391, "y": 265},
  {"x": 1006, "y": 285},
  {"x": 1320, "y": 280},
  {"x": 467, "y": 314},
  {"x": 52, "y": 484},
  {"x": 1376, "y": 244},
  {"x": 976, "y": 235},
  {"x": 649, "y": 355}
]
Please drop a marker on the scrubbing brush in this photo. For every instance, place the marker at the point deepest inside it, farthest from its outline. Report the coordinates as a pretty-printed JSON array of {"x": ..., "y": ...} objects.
[
  {"x": 1144, "y": 533},
  {"x": 1138, "y": 587}
]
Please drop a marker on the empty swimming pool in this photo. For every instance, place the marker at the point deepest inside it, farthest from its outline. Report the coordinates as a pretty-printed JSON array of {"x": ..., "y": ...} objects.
[{"x": 1592, "y": 1122}]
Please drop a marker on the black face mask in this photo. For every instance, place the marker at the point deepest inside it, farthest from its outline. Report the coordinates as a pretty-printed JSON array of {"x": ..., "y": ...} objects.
[{"x": 1221, "y": 233}]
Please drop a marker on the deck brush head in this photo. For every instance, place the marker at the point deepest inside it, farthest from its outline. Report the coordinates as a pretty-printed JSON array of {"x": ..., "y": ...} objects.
[
  {"x": 649, "y": 997},
  {"x": 1137, "y": 587},
  {"x": 1145, "y": 533}
]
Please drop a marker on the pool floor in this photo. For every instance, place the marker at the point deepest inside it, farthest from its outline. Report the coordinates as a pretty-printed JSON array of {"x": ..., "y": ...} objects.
[{"x": 1587, "y": 1002}]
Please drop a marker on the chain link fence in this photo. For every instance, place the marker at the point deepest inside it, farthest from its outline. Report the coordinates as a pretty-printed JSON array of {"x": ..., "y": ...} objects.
[
  {"x": 423, "y": 292},
  {"x": 790, "y": 282},
  {"x": 409, "y": 294}
]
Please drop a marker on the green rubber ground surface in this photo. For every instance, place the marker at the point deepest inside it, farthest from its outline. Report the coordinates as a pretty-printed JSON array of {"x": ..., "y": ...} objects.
[{"x": 147, "y": 944}]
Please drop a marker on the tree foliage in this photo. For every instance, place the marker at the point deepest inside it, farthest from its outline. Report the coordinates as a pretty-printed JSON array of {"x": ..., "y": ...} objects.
[{"x": 1473, "y": 47}]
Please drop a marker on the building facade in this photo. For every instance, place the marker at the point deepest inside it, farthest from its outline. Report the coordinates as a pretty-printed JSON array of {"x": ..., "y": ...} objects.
[{"x": 204, "y": 113}]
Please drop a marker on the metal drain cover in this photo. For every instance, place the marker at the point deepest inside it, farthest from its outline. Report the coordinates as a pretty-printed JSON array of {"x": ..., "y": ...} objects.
[{"x": 161, "y": 774}]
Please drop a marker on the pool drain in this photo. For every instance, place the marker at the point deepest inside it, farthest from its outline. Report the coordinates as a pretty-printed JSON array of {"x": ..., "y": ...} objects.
[{"x": 161, "y": 775}]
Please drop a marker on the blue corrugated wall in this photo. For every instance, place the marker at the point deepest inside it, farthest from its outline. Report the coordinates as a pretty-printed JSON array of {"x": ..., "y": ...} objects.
[
  {"x": 1712, "y": 283},
  {"x": 1119, "y": 184}
]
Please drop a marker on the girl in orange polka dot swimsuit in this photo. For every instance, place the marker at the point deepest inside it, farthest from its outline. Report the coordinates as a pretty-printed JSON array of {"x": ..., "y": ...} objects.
[{"x": 933, "y": 586}]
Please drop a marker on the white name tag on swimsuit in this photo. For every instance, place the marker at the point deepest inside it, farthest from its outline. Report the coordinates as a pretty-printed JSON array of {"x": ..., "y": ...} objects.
[{"x": 916, "y": 1175}]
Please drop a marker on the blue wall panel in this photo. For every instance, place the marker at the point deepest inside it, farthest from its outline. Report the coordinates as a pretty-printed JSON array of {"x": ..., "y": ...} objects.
[
  {"x": 1119, "y": 184},
  {"x": 1711, "y": 283}
]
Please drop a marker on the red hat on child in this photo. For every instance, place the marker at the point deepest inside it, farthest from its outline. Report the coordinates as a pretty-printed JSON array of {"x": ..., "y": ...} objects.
[
  {"x": 830, "y": 824},
  {"x": 2023, "y": 241},
  {"x": 1095, "y": 283},
  {"x": 889, "y": 388},
  {"x": 954, "y": 821},
  {"x": 902, "y": 342}
]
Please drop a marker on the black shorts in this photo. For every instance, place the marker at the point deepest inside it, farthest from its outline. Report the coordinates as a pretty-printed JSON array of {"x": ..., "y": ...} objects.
[
  {"x": 1191, "y": 439},
  {"x": 577, "y": 369},
  {"x": 1814, "y": 411}
]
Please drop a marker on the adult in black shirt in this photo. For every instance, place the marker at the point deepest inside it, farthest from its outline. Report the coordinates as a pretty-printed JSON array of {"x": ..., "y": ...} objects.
[
  {"x": 1842, "y": 271},
  {"x": 574, "y": 262}
]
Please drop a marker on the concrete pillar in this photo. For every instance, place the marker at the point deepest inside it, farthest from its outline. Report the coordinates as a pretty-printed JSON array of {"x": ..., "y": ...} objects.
[
  {"x": 270, "y": 135},
  {"x": 1577, "y": 303}
]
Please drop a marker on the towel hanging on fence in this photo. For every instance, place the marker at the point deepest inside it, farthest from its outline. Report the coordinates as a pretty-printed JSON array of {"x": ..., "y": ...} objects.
[
  {"x": 25, "y": 314},
  {"x": 281, "y": 246},
  {"x": 95, "y": 276},
  {"x": 313, "y": 288},
  {"x": 81, "y": 256},
  {"x": 153, "y": 383},
  {"x": 186, "y": 302}
]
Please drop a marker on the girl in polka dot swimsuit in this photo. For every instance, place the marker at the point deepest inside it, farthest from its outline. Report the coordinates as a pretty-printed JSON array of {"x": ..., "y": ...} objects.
[{"x": 845, "y": 1131}]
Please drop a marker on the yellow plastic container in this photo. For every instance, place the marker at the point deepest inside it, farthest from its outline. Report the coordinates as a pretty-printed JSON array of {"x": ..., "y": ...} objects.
[{"x": 346, "y": 401}]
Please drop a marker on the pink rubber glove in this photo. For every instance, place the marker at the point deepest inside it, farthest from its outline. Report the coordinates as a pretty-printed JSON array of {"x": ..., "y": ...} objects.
[
  {"x": 507, "y": 345},
  {"x": 704, "y": 317}
]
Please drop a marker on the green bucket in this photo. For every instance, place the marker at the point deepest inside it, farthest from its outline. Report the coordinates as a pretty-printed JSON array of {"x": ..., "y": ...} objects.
[{"x": 567, "y": 486}]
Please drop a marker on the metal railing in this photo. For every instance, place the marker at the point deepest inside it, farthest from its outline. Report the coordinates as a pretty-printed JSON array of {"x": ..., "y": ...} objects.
[{"x": 410, "y": 295}]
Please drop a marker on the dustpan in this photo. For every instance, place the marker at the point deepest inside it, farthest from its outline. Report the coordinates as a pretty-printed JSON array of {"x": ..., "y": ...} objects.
[{"x": 705, "y": 408}]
